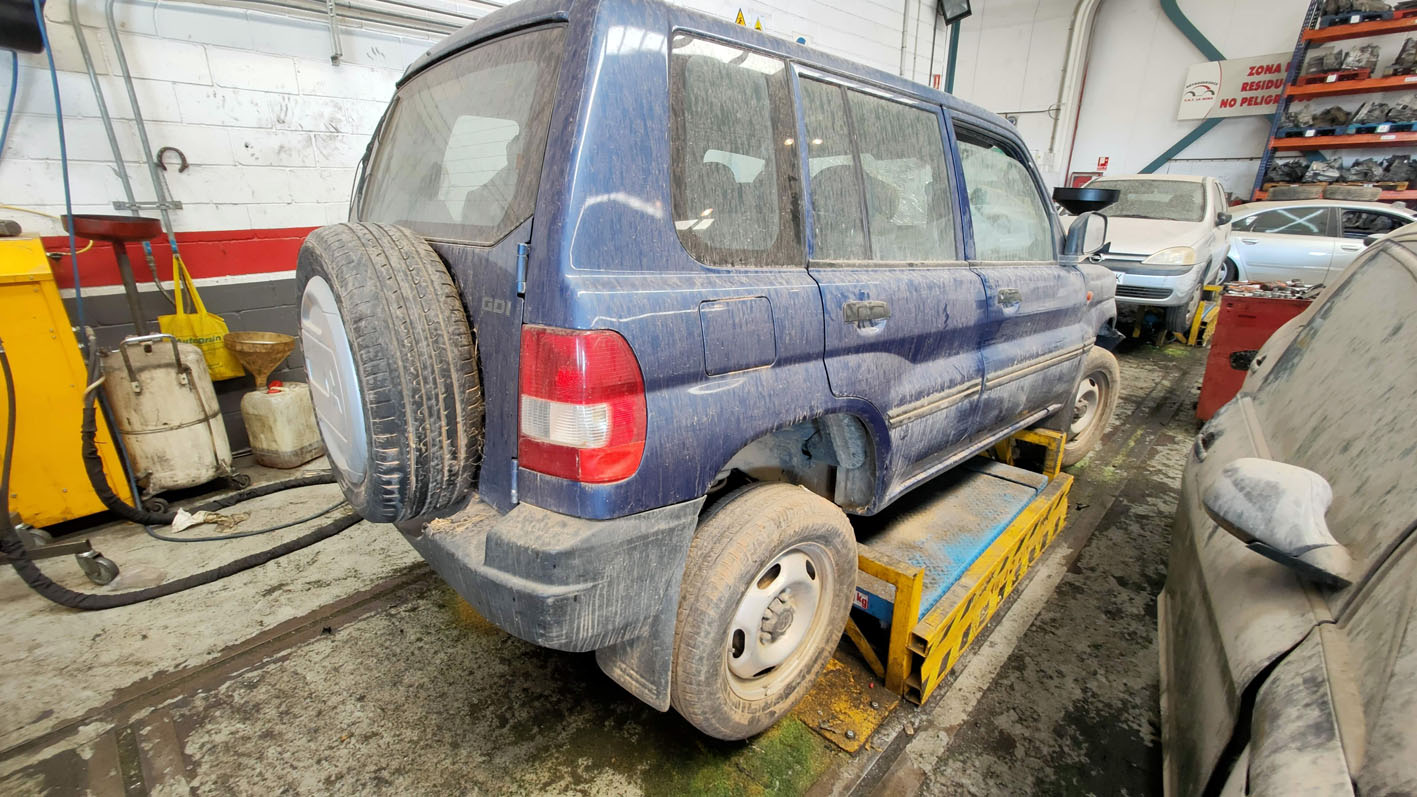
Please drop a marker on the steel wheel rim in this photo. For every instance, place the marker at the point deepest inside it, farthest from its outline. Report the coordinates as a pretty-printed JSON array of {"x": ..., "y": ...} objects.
[
  {"x": 334, "y": 383},
  {"x": 1086, "y": 405},
  {"x": 778, "y": 623}
]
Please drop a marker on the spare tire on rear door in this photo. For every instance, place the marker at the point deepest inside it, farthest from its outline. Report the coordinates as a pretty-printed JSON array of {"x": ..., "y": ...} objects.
[{"x": 392, "y": 368}]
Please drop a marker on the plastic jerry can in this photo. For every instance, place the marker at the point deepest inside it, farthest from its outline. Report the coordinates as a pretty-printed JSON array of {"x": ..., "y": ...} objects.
[{"x": 280, "y": 421}]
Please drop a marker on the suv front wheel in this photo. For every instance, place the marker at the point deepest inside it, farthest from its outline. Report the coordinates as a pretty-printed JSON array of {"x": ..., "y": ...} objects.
[
  {"x": 1093, "y": 405},
  {"x": 767, "y": 587}
]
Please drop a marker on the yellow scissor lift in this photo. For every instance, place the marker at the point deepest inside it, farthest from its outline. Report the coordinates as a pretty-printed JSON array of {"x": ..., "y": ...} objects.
[{"x": 935, "y": 572}]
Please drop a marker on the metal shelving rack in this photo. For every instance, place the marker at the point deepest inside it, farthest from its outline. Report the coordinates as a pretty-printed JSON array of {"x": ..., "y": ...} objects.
[{"x": 1312, "y": 35}]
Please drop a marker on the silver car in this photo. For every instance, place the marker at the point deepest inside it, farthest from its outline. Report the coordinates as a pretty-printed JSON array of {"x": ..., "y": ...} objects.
[
  {"x": 1288, "y": 623},
  {"x": 1168, "y": 235},
  {"x": 1312, "y": 241}
]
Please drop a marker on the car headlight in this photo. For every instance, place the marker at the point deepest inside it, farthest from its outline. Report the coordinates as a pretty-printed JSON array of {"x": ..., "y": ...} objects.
[{"x": 1174, "y": 256}]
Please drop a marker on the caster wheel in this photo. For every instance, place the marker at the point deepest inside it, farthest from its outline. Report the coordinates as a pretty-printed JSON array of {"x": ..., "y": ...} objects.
[
  {"x": 99, "y": 568},
  {"x": 33, "y": 537},
  {"x": 239, "y": 481},
  {"x": 156, "y": 505}
]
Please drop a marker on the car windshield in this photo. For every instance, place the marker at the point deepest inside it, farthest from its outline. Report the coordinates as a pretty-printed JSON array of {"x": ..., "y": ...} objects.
[
  {"x": 1166, "y": 200},
  {"x": 459, "y": 154}
]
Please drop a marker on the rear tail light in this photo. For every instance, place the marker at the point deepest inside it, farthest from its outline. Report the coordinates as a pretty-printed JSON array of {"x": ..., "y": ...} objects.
[{"x": 582, "y": 405}]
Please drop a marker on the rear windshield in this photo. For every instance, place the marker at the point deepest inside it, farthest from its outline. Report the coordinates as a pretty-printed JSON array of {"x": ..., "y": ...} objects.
[
  {"x": 459, "y": 157},
  {"x": 1165, "y": 200}
]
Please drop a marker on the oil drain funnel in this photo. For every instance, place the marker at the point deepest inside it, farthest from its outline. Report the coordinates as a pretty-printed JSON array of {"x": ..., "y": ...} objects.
[{"x": 259, "y": 352}]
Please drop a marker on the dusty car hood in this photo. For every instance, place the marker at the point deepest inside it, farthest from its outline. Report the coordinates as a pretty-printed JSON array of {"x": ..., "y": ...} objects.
[{"x": 1147, "y": 236}]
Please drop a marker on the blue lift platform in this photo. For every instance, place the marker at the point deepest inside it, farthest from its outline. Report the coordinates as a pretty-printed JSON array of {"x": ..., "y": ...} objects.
[{"x": 936, "y": 570}]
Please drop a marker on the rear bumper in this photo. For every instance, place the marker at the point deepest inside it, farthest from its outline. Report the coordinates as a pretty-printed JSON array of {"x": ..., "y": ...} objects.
[{"x": 559, "y": 581}]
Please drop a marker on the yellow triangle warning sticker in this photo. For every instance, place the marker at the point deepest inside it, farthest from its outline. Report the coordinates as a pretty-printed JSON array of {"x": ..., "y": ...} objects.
[
  {"x": 740, "y": 20},
  {"x": 757, "y": 24}
]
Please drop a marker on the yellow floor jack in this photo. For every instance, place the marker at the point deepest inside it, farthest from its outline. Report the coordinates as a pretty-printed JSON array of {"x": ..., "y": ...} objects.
[{"x": 1202, "y": 324}]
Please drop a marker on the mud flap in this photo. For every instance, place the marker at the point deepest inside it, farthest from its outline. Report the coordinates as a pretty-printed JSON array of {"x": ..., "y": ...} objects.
[{"x": 643, "y": 665}]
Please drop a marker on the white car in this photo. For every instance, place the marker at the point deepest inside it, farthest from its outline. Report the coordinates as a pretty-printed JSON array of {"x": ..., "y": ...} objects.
[
  {"x": 1309, "y": 240},
  {"x": 1168, "y": 235}
]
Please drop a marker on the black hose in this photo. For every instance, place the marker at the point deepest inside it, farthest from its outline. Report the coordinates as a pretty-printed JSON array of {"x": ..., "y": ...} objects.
[{"x": 15, "y": 552}]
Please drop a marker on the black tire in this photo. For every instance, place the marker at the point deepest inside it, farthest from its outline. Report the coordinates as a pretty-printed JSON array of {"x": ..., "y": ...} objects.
[
  {"x": 1101, "y": 370},
  {"x": 414, "y": 361},
  {"x": 1229, "y": 272},
  {"x": 1179, "y": 318},
  {"x": 732, "y": 553}
]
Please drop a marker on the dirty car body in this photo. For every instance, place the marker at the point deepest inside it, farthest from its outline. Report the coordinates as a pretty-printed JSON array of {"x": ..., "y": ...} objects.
[
  {"x": 857, "y": 340},
  {"x": 1274, "y": 682}
]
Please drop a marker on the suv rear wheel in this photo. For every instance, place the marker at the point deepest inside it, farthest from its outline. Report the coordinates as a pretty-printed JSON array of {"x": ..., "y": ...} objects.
[
  {"x": 392, "y": 369},
  {"x": 766, "y": 590}
]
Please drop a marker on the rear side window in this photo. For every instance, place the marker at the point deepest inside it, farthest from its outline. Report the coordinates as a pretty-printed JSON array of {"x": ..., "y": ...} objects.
[
  {"x": 733, "y": 156},
  {"x": 1287, "y": 221},
  {"x": 1011, "y": 222},
  {"x": 459, "y": 156},
  {"x": 885, "y": 158},
  {"x": 1362, "y": 223}
]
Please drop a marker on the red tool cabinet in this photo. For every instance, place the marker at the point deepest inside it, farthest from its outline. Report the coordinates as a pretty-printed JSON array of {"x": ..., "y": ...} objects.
[{"x": 1244, "y": 324}]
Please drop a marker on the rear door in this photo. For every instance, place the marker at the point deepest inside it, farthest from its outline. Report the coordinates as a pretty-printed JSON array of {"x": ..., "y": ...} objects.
[
  {"x": 1357, "y": 225},
  {"x": 904, "y": 312},
  {"x": 458, "y": 160},
  {"x": 1287, "y": 243},
  {"x": 1035, "y": 334}
]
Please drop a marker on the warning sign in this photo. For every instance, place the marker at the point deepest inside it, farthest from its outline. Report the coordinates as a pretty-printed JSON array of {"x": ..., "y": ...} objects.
[
  {"x": 757, "y": 24},
  {"x": 740, "y": 20}
]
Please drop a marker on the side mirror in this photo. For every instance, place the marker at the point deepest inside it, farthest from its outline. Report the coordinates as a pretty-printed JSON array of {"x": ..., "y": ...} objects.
[
  {"x": 1086, "y": 237},
  {"x": 1222, "y": 219},
  {"x": 1278, "y": 511},
  {"x": 1371, "y": 239}
]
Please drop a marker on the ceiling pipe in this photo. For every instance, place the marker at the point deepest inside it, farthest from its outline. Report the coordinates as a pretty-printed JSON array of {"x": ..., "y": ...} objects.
[
  {"x": 904, "y": 33},
  {"x": 1070, "y": 85}
]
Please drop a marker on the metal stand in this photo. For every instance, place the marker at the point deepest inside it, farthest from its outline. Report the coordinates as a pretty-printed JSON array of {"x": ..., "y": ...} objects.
[
  {"x": 120, "y": 231},
  {"x": 39, "y": 545}
]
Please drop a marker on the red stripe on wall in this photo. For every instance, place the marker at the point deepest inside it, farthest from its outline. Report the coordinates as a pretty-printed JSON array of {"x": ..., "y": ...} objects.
[{"x": 220, "y": 253}]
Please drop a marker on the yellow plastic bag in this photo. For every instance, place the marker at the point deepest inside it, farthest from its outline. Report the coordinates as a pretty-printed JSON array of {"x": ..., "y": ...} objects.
[{"x": 200, "y": 328}]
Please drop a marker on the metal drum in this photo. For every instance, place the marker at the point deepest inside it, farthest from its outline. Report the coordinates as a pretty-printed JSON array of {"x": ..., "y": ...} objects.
[{"x": 165, "y": 407}]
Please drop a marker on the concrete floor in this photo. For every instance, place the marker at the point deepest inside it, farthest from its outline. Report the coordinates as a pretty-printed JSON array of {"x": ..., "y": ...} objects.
[{"x": 350, "y": 667}]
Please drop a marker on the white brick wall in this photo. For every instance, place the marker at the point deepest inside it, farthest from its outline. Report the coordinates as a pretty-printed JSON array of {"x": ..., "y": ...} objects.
[{"x": 273, "y": 130}]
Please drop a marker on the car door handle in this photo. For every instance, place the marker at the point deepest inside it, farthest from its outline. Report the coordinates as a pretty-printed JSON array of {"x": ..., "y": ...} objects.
[
  {"x": 1250, "y": 241},
  {"x": 863, "y": 311},
  {"x": 1008, "y": 297},
  {"x": 1351, "y": 248}
]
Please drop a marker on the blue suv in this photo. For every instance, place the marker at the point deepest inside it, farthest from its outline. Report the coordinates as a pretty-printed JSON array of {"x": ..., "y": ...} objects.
[{"x": 636, "y": 306}]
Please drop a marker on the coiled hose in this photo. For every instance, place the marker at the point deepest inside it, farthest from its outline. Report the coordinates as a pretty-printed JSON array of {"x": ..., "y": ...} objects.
[{"x": 14, "y": 549}]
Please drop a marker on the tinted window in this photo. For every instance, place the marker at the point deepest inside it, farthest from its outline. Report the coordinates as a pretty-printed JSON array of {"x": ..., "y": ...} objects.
[
  {"x": 838, "y": 229},
  {"x": 733, "y": 156},
  {"x": 1362, "y": 223},
  {"x": 1164, "y": 200},
  {"x": 460, "y": 154},
  {"x": 1011, "y": 222},
  {"x": 902, "y": 153},
  {"x": 1287, "y": 221}
]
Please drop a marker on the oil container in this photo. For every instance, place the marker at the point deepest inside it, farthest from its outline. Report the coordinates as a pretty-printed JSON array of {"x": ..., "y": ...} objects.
[
  {"x": 166, "y": 410},
  {"x": 280, "y": 420}
]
